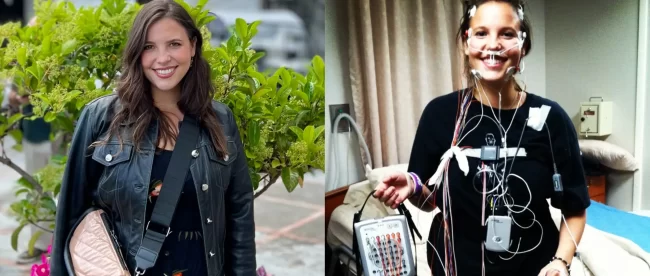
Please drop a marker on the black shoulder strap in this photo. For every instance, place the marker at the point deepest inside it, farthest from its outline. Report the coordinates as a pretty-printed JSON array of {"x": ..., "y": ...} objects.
[
  {"x": 157, "y": 228},
  {"x": 355, "y": 247}
]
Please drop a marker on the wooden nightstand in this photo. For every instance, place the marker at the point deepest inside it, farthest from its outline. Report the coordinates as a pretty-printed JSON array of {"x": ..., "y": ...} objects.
[{"x": 597, "y": 188}]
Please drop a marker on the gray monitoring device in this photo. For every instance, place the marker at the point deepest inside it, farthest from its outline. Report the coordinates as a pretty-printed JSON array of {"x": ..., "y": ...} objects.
[
  {"x": 498, "y": 233},
  {"x": 385, "y": 246}
]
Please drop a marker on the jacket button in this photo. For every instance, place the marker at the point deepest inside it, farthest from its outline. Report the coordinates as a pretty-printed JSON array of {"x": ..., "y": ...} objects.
[
  {"x": 108, "y": 158},
  {"x": 209, "y": 221},
  {"x": 225, "y": 158},
  {"x": 211, "y": 254},
  {"x": 166, "y": 253},
  {"x": 195, "y": 153},
  {"x": 204, "y": 187}
]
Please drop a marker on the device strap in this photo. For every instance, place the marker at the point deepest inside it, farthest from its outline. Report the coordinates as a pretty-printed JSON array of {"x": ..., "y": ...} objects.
[
  {"x": 355, "y": 246},
  {"x": 158, "y": 227},
  {"x": 414, "y": 230}
]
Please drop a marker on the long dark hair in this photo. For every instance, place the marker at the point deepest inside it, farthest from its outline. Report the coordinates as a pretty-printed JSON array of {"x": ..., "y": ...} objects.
[
  {"x": 464, "y": 26},
  {"x": 134, "y": 90}
]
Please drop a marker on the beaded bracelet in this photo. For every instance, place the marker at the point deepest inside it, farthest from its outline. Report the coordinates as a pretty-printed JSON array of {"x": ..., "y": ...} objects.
[{"x": 568, "y": 266}]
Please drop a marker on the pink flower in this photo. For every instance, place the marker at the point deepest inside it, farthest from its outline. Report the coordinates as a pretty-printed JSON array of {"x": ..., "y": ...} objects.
[
  {"x": 41, "y": 270},
  {"x": 262, "y": 272}
]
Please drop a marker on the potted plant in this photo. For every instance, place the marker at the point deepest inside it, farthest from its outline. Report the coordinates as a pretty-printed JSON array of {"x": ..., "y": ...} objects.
[{"x": 58, "y": 62}]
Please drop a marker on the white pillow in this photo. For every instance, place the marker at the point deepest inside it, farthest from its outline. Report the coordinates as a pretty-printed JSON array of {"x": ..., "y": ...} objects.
[{"x": 608, "y": 154}]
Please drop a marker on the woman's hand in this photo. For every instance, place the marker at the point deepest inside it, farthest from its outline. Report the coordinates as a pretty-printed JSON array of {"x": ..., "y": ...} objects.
[
  {"x": 394, "y": 189},
  {"x": 555, "y": 268}
]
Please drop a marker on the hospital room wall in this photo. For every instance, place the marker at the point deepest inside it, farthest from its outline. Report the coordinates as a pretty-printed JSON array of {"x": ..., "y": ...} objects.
[
  {"x": 591, "y": 51},
  {"x": 338, "y": 82},
  {"x": 339, "y": 91}
]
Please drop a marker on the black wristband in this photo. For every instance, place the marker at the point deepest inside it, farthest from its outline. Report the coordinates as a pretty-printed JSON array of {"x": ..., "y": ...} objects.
[{"x": 568, "y": 266}]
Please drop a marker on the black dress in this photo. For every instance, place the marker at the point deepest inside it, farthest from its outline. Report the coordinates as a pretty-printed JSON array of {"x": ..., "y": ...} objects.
[
  {"x": 433, "y": 138},
  {"x": 182, "y": 253}
]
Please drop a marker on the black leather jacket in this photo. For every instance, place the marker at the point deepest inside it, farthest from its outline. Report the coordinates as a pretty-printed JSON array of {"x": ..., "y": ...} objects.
[{"x": 119, "y": 185}]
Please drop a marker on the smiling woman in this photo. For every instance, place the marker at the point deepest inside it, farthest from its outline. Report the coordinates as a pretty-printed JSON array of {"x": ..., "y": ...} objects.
[
  {"x": 501, "y": 161},
  {"x": 203, "y": 222},
  {"x": 167, "y": 56}
]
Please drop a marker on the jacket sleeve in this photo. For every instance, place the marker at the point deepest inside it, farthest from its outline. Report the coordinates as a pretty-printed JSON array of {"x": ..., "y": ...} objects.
[
  {"x": 76, "y": 188},
  {"x": 240, "y": 231}
]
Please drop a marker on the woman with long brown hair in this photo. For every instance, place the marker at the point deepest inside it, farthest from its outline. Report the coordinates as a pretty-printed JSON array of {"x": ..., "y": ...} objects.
[
  {"x": 489, "y": 159},
  {"x": 123, "y": 144}
]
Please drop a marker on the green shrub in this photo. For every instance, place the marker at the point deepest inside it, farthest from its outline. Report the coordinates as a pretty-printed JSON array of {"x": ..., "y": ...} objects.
[{"x": 280, "y": 115}]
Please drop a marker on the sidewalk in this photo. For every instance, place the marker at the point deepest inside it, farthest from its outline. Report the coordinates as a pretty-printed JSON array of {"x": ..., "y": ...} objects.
[{"x": 289, "y": 226}]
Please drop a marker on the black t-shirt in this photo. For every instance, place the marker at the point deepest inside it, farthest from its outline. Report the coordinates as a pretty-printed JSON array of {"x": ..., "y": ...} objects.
[
  {"x": 434, "y": 137},
  {"x": 182, "y": 252}
]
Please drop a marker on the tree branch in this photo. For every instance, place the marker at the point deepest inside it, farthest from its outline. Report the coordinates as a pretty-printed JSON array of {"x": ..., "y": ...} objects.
[
  {"x": 6, "y": 161},
  {"x": 267, "y": 186},
  {"x": 40, "y": 227}
]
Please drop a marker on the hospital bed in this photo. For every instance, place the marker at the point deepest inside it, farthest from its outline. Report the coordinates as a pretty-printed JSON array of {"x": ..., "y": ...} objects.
[{"x": 614, "y": 243}]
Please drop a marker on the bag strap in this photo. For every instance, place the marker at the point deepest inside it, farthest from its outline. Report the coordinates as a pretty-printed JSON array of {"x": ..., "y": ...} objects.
[
  {"x": 158, "y": 227},
  {"x": 355, "y": 247}
]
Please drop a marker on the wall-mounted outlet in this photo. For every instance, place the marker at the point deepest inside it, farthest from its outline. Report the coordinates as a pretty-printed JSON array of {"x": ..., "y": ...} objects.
[{"x": 335, "y": 110}]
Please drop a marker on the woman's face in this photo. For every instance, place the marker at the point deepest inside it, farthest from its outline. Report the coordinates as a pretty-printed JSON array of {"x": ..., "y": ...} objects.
[
  {"x": 167, "y": 55},
  {"x": 494, "y": 28}
]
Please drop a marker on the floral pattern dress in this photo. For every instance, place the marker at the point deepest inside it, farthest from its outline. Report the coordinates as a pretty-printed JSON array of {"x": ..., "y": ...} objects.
[{"x": 182, "y": 253}]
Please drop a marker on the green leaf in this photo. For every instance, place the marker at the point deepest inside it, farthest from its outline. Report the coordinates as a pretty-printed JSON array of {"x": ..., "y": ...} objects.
[
  {"x": 252, "y": 28},
  {"x": 14, "y": 236},
  {"x": 79, "y": 104},
  {"x": 319, "y": 68},
  {"x": 24, "y": 183},
  {"x": 300, "y": 116},
  {"x": 290, "y": 179},
  {"x": 68, "y": 47},
  {"x": 17, "y": 135},
  {"x": 48, "y": 203},
  {"x": 21, "y": 191},
  {"x": 73, "y": 94},
  {"x": 57, "y": 190},
  {"x": 241, "y": 28},
  {"x": 21, "y": 55},
  {"x": 32, "y": 241},
  {"x": 65, "y": 123},
  {"x": 42, "y": 98},
  {"x": 260, "y": 93},
  {"x": 309, "y": 91},
  {"x": 318, "y": 131},
  {"x": 46, "y": 45},
  {"x": 222, "y": 53},
  {"x": 277, "y": 112},
  {"x": 297, "y": 131},
  {"x": 255, "y": 178},
  {"x": 286, "y": 78},
  {"x": 302, "y": 95},
  {"x": 275, "y": 163},
  {"x": 50, "y": 117},
  {"x": 255, "y": 57},
  {"x": 14, "y": 118},
  {"x": 308, "y": 135},
  {"x": 253, "y": 133},
  {"x": 33, "y": 70},
  {"x": 17, "y": 147}
]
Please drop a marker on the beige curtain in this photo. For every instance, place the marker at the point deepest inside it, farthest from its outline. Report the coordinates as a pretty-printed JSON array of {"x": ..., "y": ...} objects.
[{"x": 402, "y": 54}]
